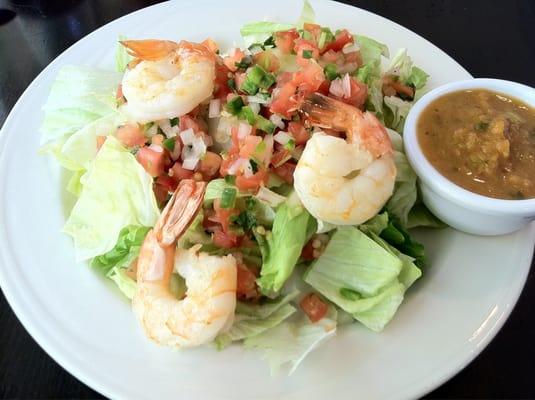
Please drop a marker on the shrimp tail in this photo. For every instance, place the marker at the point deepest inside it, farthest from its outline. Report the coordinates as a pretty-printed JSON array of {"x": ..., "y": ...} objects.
[
  {"x": 326, "y": 112},
  {"x": 180, "y": 211},
  {"x": 150, "y": 49}
]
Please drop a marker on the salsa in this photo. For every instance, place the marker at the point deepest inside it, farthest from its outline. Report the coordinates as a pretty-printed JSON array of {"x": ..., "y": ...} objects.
[{"x": 483, "y": 141}]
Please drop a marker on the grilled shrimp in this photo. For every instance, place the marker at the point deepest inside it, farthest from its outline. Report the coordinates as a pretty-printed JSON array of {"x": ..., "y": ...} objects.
[
  {"x": 210, "y": 301},
  {"x": 168, "y": 79},
  {"x": 344, "y": 181}
]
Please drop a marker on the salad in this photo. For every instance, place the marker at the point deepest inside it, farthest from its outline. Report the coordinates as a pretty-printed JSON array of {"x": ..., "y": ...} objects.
[{"x": 257, "y": 195}]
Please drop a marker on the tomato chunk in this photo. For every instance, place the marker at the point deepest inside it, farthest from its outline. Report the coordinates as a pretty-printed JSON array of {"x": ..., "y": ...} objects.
[
  {"x": 131, "y": 135},
  {"x": 341, "y": 39},
  {"x": 178, "y": 173},
  {"x": 153, "y": 161},
  {"x": 226, "y": 240},
  {"x": 209, "y": 165},
  {"x": 284, "y": 40},
  {"x": 252, "y": 182},
  {"x": 314, "y": 307},
  {"x": 286, "y": 171},
  {"x": 246, "y": 288},
  {"x": 298, "y": 131}
]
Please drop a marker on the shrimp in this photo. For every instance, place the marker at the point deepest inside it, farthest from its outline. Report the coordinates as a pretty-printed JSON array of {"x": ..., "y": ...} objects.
[
  {"x": 211, "y": 281},
  {"x": 344, "y": 181},
  {"x": 168, "y": 79}
]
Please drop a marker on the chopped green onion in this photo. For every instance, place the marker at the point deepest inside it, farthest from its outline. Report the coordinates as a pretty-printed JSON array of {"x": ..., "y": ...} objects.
[
  {"x": 260, "y": 147},
  {"x": 169, "y": 144},
  {"x": 307, "y": 53},
  {"x": 267, "y": 81},
  {"x": 174, "y": 121},
  {"x": 270, "y": 42},
  {"x": 230, "y": 179},
  {"x": 247, "y": 114},
  {"x": 326, "y": 36},
  {"x": 249, "y": 87},
  {"x": 290, "y": 145},
  {"x": 253, "y": 79},
  {"x": 231, "y": 83},
  {"x": 265, "y": 124},
  {"x": 254, "y": 165},
  {"x": 244, "y": 63},
  {"x": 331, "y": 72},
  {"x": 235, "y": 105},
  {"x": 246, "y": 220},
  {"x": 307, "y": 35},
  {"x": 228, "y": 198}
]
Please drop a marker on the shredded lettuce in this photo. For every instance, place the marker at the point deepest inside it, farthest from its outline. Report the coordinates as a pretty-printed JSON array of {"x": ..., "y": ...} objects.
[
  {"x": 371, "y": 50},
  {"x": 405, "y": 192},
  {"x": 116, "y": 192},
  {"x": 282, "y": 246},
  {"x": 421, "y": 216},
  {"x": 286, "y": 345},
  {"x": 307, "y": 15},
  {"x": 253, "y": 319},
  {"x": 122, "y": 58}
]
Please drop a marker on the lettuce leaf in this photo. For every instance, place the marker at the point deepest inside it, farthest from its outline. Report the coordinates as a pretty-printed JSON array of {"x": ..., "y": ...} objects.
[
  {"x": 286, "y": 345},
  {"x": 125, "y": 284},
  {"x": 282, "y": 247},
  {"x": 371, "y": 50},
  {"x": 405, "y": 192},
  {"x": 214, "y": 189},
  {"x": 79, "y": 96},
  {"x": 420, "y": 216},
  {"x": 116, "y": 192},
  {"x": 307, "y": 15},
  {"x": 362, "y": 274},
  {"x": 253, "y": 319}
]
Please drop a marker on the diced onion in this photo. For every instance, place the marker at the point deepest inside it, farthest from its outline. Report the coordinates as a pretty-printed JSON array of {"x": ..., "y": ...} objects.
[
  {"x": 270, "y": 197},
  {"x": 167, "y": 129},
  {"x": 236, "y": 165},
  {"x": 190, "y": 163},
  {"x": 255, "y": 107},
  {"x": 350, "y": 48},
  {"x": 187, "y": 136},
  {"x": 259, "y": 99},
  {"x": 346, "y": 85},
  {"x": 247, "y": 169},
  {"x": 349, "y": 67},
  {"x": 336, "y": 88},
  {"x": 282, "y": 137},
  {"x": 244, "y": 130},
  {"x": 214, "y": 108},
  {"x": 156, "y": 147},
  {"x": 277, "y": 120}
]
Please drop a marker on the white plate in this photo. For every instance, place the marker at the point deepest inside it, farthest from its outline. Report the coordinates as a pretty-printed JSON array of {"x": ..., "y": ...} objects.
[{"x": 80, "y": 320}]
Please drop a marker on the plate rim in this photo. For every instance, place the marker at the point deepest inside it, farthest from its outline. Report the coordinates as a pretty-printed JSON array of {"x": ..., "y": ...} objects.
[{"x": 54, "y": 349}]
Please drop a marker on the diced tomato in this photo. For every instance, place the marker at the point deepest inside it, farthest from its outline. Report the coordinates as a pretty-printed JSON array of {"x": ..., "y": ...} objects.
[
  {"x": 309, "y": 78},
  {"x": 249, "y": 145},
  {"x": 284, "y": 102},
  {"x": 267, "y": 60},
  {"x": 353, "y": 57},
  {"x": 187, "y": 122},
  {"x": 226, "y": 240},
  {"x": 239, "y": 78},
  {"x": 331, "y": 57},
  {"x": 167, "y": 182},
  {"x": 153, "y": 161},
  {"x": 178, "y": 173},
  {"x": 324, "y": 87},
  {"x": 246, "y": 288},
  {"x": 119, "y": 93},
  {"x": 222, "y": 215},
  {"x": 157, "y": 139},
  {"x": 131, "y": 135},
  {"x": 308, "y": 251},
  {"x": 209, "y": 165},
  {"x": 305, "y": 45},
  {"x": 231, "y": 60},
  {"x": 341, "y": 39},
  {"x": 314, "y": 30},
  {"x": 280, "y": 156},
  {"x": 286, "y": 171},
  {"x": 210, "y": 45},
  {"x": 358, "y": 94},
  {"x": 314, "y": 307},
  {"x": 284, "y": 40},
  {"x": 221, "y": 89},
  {"x": 298, "y": 131},
  {"x": 253, "y": 182},
  {"x": 100, "y": 141},
  {"x": 161, "y": 193},
  {"x": 247, "y": 242}
]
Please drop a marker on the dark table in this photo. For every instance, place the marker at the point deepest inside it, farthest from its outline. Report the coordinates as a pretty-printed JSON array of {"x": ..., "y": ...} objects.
[{"x": 489, "y": 38}]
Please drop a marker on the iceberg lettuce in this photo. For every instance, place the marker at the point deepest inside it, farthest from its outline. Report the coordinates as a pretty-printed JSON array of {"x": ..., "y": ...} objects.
[
  {"x": 286, "y": 345},
  {"x": 116, "y": 192}
]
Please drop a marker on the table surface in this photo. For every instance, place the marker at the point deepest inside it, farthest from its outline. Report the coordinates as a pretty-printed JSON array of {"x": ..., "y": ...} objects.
[{"x": 489, "y": 38}]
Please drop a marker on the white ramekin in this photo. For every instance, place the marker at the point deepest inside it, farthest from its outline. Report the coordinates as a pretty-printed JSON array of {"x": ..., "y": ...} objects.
[{"x": 458, "y": 207}]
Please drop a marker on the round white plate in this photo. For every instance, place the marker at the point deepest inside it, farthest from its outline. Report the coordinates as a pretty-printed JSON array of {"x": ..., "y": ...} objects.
[{"x": 448, "y": 317}]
